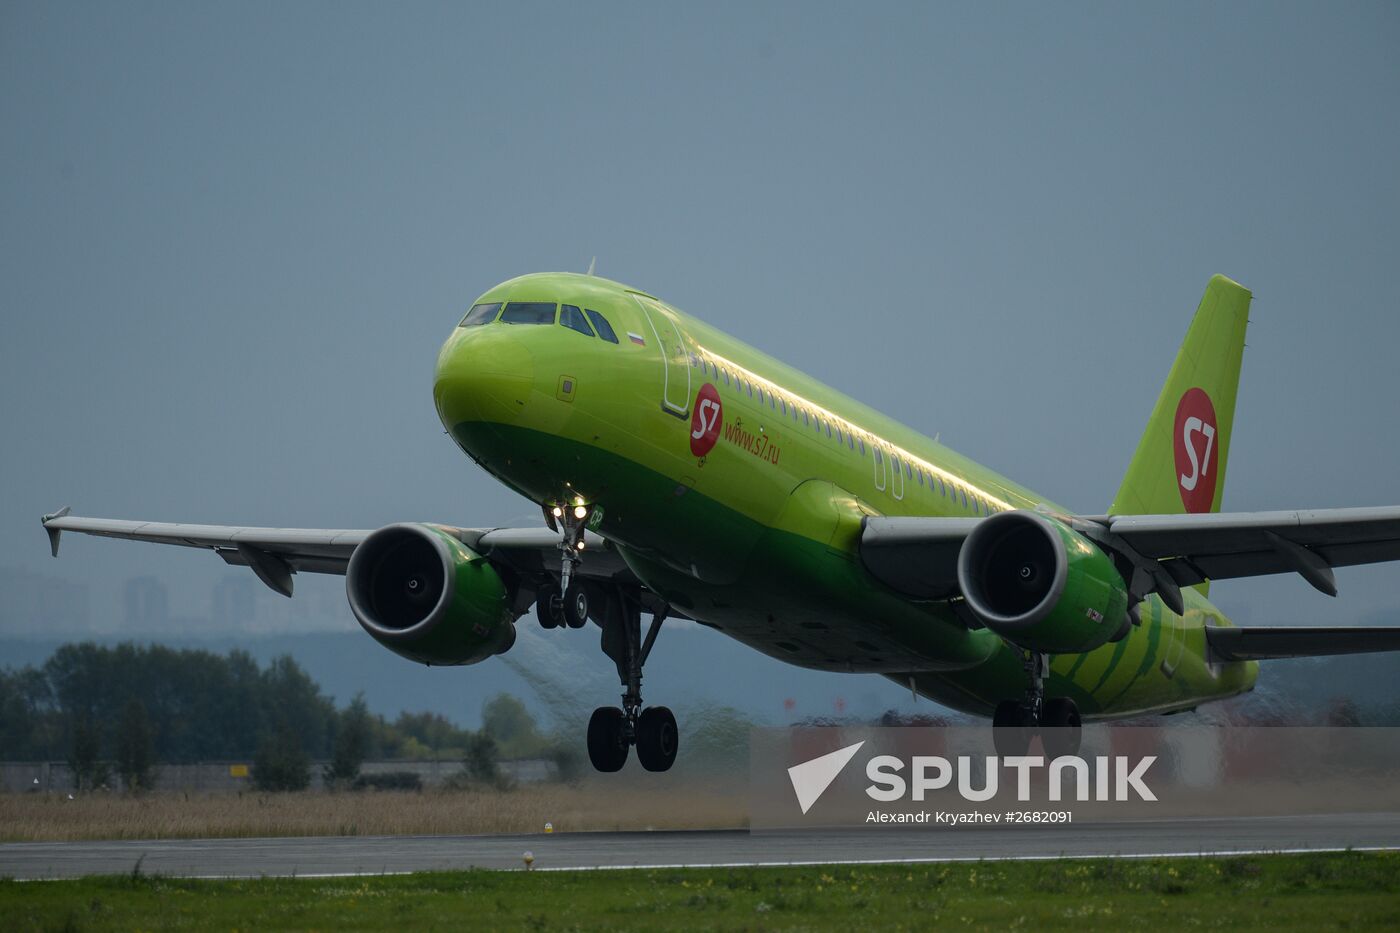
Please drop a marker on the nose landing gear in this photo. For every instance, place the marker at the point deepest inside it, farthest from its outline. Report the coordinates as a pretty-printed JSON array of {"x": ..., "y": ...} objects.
[{"x": 568, "y": 602}]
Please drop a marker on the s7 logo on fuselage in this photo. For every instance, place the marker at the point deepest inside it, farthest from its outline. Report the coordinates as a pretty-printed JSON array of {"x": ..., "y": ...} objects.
[
  {"x": 705, "y": 420},
  {"x": 707, "y": 416}
]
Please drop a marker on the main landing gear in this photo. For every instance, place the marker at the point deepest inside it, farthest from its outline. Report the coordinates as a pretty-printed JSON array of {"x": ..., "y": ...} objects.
[
  {"x": 1017, "y": 722},
  {"x": 612, "y": 731}
]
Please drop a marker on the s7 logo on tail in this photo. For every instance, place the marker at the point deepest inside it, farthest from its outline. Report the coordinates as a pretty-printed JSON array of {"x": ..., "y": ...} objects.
[
  {"x": 1196, "y": 451},
  {"x": 1195, "y": 425}
]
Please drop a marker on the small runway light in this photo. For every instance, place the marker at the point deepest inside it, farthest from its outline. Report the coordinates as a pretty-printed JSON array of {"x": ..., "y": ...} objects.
[
  {"x": 529, "y": 858},
  {"x": 580, "y": 511},
  {"x": 549, "y": 827}
]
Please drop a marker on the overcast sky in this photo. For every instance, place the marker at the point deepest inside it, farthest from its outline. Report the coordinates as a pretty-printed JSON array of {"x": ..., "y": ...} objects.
[{"x": 232, "y": 238}]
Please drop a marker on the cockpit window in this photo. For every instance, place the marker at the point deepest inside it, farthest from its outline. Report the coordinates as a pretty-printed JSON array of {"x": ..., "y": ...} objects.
[
  {"x": 528, "y": 312},
  {"x": 481, "y": 314},
  {"x": 570, "y": 316},
  {"x": 601, "y": 324}
]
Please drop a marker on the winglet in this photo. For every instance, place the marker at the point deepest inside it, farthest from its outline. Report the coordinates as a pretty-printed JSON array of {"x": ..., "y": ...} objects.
[{"x": 55, "y": 532}]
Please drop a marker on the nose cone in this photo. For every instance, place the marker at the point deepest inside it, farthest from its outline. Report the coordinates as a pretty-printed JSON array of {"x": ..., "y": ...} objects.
[{"x": 484, "y": 374}]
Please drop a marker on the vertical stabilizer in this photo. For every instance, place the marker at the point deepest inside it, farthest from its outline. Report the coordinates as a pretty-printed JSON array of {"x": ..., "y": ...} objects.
[{"x": 1180, "y": 462}]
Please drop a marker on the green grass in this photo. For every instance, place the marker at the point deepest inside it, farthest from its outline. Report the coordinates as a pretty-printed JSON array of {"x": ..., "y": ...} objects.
[{"x": 1310, "y": 892}]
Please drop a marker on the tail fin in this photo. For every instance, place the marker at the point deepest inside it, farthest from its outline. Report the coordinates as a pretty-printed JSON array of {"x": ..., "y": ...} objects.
[{"x": 1180, "y": 461}]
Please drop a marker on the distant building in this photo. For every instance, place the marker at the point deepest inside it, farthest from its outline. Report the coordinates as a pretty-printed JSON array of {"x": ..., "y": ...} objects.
[
  {"x": 234, "y": 602},
  {"x": 147, "y": 605},
  {"x": 34, "y": 603}
]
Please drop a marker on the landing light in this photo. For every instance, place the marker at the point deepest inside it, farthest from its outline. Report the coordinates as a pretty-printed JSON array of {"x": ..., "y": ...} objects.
[
  {"x": 580, "y": 545},
  {"x": 558, "y": 512},
  {"x": 580, "y": 511}
]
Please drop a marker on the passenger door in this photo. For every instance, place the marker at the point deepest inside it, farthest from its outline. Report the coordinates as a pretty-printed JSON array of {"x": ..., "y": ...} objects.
[{"x": 675, "y": 392}]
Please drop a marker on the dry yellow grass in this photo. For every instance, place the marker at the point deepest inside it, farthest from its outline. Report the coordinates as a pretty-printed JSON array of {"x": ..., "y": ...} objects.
[{"x": 593, "y": 805}]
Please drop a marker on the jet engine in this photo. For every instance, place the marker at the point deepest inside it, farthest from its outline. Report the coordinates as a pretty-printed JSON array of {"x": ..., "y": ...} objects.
[
  {"x": 1040, "y": 584},
  {"x": 425, "y": 595}
]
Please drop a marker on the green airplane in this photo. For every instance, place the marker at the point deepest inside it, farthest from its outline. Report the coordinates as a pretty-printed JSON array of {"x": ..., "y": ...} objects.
[{"x": 683, "y": 474}]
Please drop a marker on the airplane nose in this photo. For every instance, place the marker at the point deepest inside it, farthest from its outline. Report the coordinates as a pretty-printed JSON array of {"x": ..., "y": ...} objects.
[{"x": 484, "y": 374}]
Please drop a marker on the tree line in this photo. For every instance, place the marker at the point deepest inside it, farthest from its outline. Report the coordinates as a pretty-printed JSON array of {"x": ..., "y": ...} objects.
[{"x": 118, "y": 712}]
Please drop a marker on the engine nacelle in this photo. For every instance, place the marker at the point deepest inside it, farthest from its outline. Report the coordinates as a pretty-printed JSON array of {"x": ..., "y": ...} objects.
[
  {"x": 427, "y": 596},
  {"x": 1040, "y": 584}
]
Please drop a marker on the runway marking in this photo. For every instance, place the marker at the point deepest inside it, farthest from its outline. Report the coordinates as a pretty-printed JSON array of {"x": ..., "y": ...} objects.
[
  {"x": 1223, "y": 853},
  {"x": 921, "y": 860}
]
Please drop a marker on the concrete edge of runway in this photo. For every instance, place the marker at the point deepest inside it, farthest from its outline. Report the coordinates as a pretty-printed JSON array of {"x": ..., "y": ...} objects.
[
  {"x": 1226, "y": 853},
  {"x": 699, "y": 866},
  {"x": 344, "y": 857}
]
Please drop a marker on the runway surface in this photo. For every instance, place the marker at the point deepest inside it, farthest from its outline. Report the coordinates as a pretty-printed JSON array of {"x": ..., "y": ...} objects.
[{"x": 348, "y": 855}]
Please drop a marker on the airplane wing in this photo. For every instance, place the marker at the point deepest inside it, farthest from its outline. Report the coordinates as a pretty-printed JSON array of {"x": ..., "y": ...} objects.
[
  {"x": 919, "y": 557},
  {"x": 275, "y": 554},
  {"x": 1226, "y": 545},
  {"x": 915, "y": 556}
]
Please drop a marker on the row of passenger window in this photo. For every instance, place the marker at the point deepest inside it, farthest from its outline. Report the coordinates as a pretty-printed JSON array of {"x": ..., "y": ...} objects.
[
  {"x": 586, "y": 321},
  {"x": 779, "y": 403},
  {"x": 843, "y": 434},
  {"x": 949, "y": 489}
]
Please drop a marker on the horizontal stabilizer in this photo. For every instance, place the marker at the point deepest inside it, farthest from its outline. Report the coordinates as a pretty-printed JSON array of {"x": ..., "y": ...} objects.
[{"x": 1274, "y": 642}]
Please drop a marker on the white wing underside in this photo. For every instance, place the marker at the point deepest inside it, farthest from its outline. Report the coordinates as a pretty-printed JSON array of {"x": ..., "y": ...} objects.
[
  {"x": 912, "y": 555},
  {"x": 328, "y": 550}
]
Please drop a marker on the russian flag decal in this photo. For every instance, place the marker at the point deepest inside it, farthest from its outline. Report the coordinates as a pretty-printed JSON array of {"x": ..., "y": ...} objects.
[{"x": 637, "y": 339}]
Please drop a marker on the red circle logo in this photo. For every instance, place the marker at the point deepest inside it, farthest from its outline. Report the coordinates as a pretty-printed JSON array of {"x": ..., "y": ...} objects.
[
  {"x": 1196, "y": 443},
  {"x": 705, "y": 420}
]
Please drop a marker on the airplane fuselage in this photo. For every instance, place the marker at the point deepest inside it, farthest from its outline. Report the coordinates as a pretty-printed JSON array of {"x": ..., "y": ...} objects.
[{"x": 734, "y": 487}]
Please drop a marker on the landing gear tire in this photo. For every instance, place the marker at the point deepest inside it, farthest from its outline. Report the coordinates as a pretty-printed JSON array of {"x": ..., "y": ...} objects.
[
  {"x": 1013, "y": 727},
  {"x": 574, "y": 607},
  {"x": 607, "y": 739},
  {"x": 658, "y": 739},
  {"x": 1059, "y": 728},
  {"x": 545, "y": 610}
]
